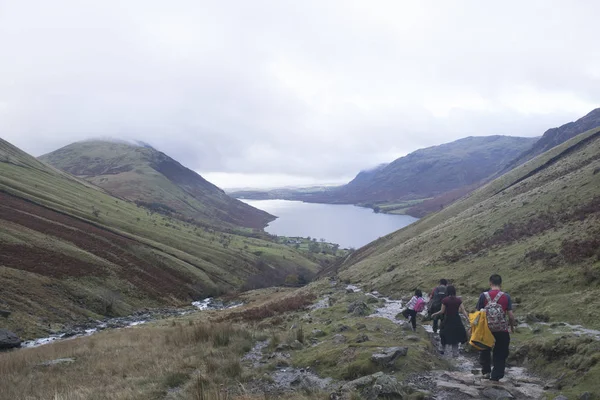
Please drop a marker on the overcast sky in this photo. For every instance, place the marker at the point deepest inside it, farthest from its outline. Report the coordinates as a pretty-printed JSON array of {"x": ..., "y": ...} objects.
[{"x": 269, "y": 93}]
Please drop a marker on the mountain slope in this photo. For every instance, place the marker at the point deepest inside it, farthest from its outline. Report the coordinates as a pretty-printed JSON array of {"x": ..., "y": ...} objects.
[
  {"x": 434, "y": 170},
  {"x": 555, "y": 136},
  {"x": 449, "y": 170},
  {"x": 538, "y": 226},
  {"x": 143, "y": 174},
  {"x": 69, "y": 250}
]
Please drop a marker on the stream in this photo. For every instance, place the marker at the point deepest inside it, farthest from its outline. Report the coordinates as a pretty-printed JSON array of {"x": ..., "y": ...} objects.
[{"x": 137, "y": 318}]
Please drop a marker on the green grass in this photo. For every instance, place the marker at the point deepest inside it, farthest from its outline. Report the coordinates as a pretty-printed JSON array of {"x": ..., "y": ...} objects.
[
  {"x": 439, "y": 245},
  {"x": 520, "y": 226},
  {"x": 203, "y": 260}
]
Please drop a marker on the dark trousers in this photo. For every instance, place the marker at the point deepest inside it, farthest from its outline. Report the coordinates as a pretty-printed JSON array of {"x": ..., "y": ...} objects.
[
  {"x": 436, "y": 320},
  {"x": 498, "y": 358},
  {"x": 412, "y": 314}
]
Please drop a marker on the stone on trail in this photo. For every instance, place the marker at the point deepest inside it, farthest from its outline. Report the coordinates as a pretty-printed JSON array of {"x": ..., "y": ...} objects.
[
  {"x": 361, "y": 338},
  {"x": 339, "y": 339},
  {"x": 309, "y": 383},
  {"x": 561, "y": 397},
  {"x": 359, "y": 308},
  {"x": 361, "y": 382},
  {"x": 283, "y": 347},
  {"x": 413, "y": 338},
  {"x": 385, "y": 387},
  {"x": 386, "y": 357},
  {"x": 497, "y": 394},
  {"x": 296, "y": 345},
  {"x": 318, "y": 333},
  {"x": 9, "y": 340},
  {"x": 465, "y": 389}
]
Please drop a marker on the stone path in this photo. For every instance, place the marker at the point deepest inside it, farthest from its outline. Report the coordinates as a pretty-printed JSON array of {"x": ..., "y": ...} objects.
[{"x": 464, "y": 381}]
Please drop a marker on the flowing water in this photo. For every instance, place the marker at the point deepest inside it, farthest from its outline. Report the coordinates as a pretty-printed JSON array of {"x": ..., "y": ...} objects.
[{"x": 135, "y": 319}]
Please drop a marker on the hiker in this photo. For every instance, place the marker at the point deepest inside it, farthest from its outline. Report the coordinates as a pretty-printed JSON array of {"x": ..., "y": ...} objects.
[
  {"x": 452, "y": 331},
  {"x": 496, "y": 304},
  {"x": 415, "y": 305},
  {"x": 435, "y": 302}
]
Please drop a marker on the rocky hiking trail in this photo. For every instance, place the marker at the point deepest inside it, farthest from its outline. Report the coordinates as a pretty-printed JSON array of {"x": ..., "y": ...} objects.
[
  {"x": 465, "y": 381},
  {"x": 459, "y": 379}
]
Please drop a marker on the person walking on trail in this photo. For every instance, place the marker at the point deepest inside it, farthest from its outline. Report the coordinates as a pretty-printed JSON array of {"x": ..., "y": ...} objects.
[
  {"x": 497, "y": 305},
  {"x": 452, "y": 331},
  {"x": 415, "y": 305},
  {"x": 435, "y": 302}
]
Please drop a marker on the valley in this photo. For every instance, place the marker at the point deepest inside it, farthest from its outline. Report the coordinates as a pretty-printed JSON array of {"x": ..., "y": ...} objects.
[
  {"x": 99, "y": 271},
  {"x": 71, "y": 251}
]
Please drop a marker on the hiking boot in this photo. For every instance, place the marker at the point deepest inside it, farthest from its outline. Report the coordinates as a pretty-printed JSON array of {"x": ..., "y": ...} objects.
[{"x": 487, "y": 376}]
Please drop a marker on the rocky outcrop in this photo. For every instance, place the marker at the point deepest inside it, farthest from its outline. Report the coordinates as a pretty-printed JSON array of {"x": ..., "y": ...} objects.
[
  {"x": 359, "y": 309},
  {"x": 372, "y": 387},
  {"x": 8, "y": 340},
  {"x": 386, "y": 357}
]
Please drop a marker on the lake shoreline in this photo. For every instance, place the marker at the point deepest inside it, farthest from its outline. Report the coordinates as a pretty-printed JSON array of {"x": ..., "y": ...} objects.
[{"x": 350, "y": 226}]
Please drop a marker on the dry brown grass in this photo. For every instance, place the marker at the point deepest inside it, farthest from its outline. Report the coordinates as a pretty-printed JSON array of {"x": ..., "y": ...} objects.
[
  {"x": 293, "y": 302},
  {"x": 137, "y": 363}
]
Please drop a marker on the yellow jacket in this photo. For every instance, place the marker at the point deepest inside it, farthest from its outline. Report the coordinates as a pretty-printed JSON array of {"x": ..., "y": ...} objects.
[{"x": 481, "y": 336}]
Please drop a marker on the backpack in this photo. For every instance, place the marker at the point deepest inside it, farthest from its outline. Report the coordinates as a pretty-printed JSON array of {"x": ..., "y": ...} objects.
[
  {"x": 419, "y": 305},
  {"x": 438, "y": 296},
  {"x": 496, "y": 317}
]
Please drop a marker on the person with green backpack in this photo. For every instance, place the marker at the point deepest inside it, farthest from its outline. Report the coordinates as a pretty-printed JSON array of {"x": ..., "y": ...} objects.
[{"x": 497, "y": 305}]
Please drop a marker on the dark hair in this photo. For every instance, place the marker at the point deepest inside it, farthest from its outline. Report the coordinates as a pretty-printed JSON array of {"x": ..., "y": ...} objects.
[
  {"x": 496, "y": 280},
  {"x": 451, "y": 290},
  {"x": 443, "y": 282},
  {"x": 418, "y": 293}
]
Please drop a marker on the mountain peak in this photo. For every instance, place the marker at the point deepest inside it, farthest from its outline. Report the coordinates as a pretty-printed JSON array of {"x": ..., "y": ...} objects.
[{"x": 138, "y": 172}]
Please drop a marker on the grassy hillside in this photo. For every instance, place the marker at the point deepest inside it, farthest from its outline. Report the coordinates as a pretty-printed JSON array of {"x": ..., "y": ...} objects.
[
  {"x": 69, "y": 250},
  {"x": 146, "y": 175},
  {"x": 538, "y": 226}
]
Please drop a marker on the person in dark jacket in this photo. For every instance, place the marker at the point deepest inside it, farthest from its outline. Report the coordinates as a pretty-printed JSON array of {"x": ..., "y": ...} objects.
[{"x": 435, "y": 302}]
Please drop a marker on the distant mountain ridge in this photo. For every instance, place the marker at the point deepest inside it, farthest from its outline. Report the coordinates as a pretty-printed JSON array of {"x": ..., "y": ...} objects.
[
  {"x": 555, "y": 136},
  {"x": 422, "y": 174},
  {"x": 143, "y": 174},
  {"x": 434, "y": 170}
]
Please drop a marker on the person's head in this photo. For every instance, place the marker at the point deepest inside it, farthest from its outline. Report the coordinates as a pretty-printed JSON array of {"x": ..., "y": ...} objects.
[
  {"x": 443, "y": 282},
  {"x": 418, "y": 293},
  {"x": 495, "y": 280},
  {"x": 451, "y": 290}
]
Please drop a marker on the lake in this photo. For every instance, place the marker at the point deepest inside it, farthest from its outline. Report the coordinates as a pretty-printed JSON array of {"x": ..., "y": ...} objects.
[{"x": 346, "y": 225}]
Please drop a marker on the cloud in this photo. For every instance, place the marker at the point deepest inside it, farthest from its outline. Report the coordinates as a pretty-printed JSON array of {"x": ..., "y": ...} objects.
[{"x": 313, "y": 90}]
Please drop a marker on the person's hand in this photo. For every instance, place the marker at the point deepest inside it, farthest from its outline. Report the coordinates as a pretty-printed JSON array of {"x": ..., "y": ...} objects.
[{"x": 512, "y": 329}]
